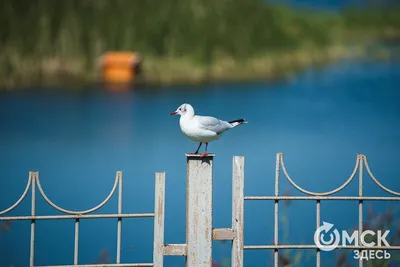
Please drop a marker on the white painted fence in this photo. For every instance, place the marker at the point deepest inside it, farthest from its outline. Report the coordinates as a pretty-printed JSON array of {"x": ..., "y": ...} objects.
[{"x": 199, "y": 231}]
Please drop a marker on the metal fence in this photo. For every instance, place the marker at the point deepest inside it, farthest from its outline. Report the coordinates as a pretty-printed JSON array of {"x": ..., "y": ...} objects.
[{"x": 199, "y": 232}]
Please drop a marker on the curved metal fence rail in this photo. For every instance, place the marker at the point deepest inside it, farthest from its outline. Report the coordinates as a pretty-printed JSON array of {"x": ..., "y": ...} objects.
[
  {"x": 197, "y": 249},
  {"x": 361, "y": 161},
  {"x": 34, "y": 182}
]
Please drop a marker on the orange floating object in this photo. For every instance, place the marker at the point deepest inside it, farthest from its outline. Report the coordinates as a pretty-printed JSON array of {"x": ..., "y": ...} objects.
[{"x": 120, "y": 66}]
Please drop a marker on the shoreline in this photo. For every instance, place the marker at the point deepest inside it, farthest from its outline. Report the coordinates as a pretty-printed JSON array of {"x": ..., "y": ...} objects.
[
  {"x": 268, "y": 67},
  {"x": 61, "y": 45},
  {"x": 183, "y": 71},
  {"x": 74, "y": 74}
]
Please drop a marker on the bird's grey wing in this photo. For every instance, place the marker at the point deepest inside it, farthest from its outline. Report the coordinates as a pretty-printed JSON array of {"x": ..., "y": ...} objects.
[{"x": 213, "y": 124}]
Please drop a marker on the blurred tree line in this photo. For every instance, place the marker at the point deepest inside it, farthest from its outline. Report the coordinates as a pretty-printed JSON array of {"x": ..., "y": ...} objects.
[{"x": 200, "y": 30}]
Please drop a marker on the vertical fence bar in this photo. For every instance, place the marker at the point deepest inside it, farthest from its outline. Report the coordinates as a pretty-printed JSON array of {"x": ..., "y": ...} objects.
[
  {"x": 199, "y": 179},
  {"x": 276, "y": 208},
  {"x": 360, "y": 158},
  {"x": 76, "y": 245},
  {"x": 238, "y": 211},
  {"x": 318, "y": 221},
  {"x": 33, "y": 176},
  {"x": 159, "y": 205},
  {"x": 119, "y": 224}
]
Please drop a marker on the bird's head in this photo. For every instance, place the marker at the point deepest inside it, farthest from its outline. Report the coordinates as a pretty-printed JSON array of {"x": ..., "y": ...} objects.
[{"x": 183, "y": 110}]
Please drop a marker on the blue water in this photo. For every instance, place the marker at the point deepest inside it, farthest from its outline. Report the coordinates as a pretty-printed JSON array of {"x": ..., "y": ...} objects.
[
  {"x": 332, "y": 5},
  {"x": 321, "y": 4},
  {"x": 77, "y": 140}
]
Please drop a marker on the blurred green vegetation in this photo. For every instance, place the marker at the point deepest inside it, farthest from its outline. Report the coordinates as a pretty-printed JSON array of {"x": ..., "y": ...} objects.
[
  {"x": 180, "y": 39},
  {"x": 373, "y": 17}
]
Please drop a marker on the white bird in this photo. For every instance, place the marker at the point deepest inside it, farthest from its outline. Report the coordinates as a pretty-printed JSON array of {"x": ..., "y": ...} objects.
[{"x": 202, "y": 129}]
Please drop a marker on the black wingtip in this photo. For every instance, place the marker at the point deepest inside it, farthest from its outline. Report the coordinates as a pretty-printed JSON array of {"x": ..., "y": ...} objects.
[{"x": 238, "y": 121}]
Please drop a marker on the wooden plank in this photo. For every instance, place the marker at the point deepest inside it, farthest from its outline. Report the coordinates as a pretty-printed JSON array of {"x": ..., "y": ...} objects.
[
  {"x": 158, "y": 256},
  {"x": 175, "y": 250},
  {"x": 199, "y": 210},
  {"x": 223, "y": 234},
  {"x": 238, "y": 211}
]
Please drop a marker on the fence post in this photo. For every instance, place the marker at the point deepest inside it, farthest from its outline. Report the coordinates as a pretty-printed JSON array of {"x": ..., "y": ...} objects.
[
  {"x": 360, "y": 159},
  {"x": 34, "y": 176},
  {"x": 158, "y": 256},
  {"x": 238, "y": 211},
  {"x": 276, "y": 207},
  {"x": 199, "y": 178}
]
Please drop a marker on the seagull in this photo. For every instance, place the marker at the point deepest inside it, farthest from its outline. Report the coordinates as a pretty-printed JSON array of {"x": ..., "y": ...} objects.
[{"x": 202, "y": 129}]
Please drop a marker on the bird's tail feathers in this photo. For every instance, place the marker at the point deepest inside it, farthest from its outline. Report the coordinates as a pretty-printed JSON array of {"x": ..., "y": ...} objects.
[{"x": 235, "y": 123}]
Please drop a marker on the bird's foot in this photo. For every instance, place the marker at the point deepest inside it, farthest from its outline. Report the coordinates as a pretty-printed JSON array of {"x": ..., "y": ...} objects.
[{"x": 204, "y": 155}]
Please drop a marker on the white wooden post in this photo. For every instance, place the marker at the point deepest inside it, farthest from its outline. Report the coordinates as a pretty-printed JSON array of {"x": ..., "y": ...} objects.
[
  {"x": 158, "y": 257},
  {"x": 238, "y": 211},
  {"x": 199, "y": 178}
]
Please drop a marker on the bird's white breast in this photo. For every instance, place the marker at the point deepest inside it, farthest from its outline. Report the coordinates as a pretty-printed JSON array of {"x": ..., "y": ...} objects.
[{"x": 195, "y": 132}]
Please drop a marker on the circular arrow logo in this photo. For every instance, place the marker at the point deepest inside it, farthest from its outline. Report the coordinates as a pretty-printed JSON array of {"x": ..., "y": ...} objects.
[{"x": 321, "y": 242}]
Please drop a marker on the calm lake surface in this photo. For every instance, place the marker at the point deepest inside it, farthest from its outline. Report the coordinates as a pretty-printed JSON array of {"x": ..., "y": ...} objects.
[{"x": 77, "y": 141}]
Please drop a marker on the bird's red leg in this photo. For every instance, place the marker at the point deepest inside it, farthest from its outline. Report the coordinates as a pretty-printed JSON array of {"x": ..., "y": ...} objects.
[{"x": 205, "y": 153}]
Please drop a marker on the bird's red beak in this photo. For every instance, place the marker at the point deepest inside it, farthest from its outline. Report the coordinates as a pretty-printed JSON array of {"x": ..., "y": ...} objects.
[{"x": 173, "y": 113}]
